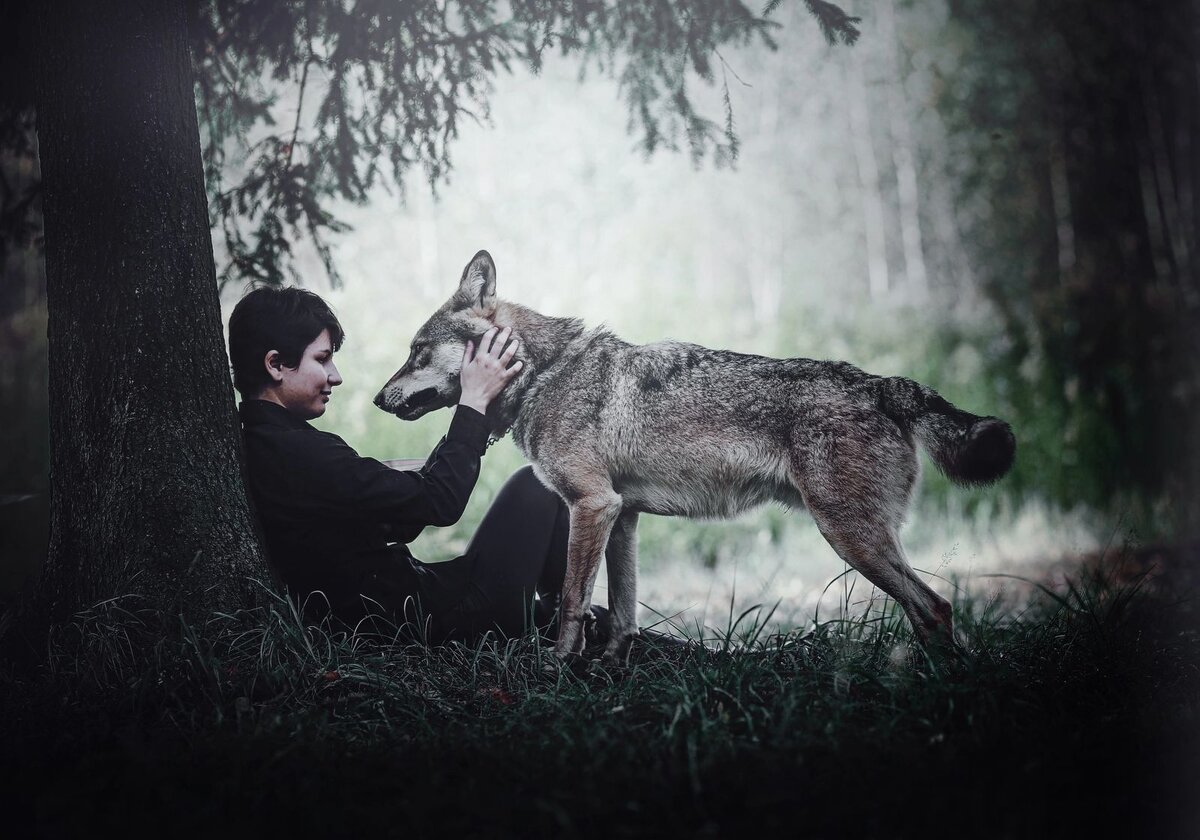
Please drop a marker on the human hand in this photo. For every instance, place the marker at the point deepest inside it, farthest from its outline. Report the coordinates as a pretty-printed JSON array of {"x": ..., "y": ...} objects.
[{"x": 484, "y": 374}]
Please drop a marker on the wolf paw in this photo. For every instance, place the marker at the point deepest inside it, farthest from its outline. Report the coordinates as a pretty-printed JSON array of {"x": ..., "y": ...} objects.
[
  {"x": 616, "y": 652},
  {"x": 575, "y": 663}
]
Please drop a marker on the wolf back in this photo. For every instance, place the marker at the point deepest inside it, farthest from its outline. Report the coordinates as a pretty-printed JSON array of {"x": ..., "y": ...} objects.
[{"x": 670, "y": 399}]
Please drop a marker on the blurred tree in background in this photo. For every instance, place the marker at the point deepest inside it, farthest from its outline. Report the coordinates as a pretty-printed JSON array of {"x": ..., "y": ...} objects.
[
  {"x": 24, "y": 433},
  {"x": 1080, "y": 121},
  {"x": 24, "y": 438}
]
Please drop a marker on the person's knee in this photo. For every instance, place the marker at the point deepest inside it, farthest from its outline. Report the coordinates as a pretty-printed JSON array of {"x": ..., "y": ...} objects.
[
  {"x": 535, "y": 489},
  {"x": 525, "y": 475},
  {"x": 526, "y": 485}
]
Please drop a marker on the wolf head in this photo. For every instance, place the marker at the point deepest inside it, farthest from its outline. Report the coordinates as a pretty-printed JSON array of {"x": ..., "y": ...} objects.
[{"x": 429, "y": 379}]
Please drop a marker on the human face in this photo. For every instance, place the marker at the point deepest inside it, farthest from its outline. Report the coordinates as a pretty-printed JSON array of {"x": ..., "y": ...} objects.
[{"x": 305, "y": 389}]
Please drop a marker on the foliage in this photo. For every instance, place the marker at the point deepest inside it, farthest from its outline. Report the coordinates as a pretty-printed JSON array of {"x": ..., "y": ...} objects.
[
  {"x": 393, "y": 81},
  {"x": 283, "y": 724}
]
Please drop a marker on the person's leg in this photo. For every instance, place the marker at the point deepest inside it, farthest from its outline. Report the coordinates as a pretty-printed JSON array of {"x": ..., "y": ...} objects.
[{"x": 519, "y": 549}]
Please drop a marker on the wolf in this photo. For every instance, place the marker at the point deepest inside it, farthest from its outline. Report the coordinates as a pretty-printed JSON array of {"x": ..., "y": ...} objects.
[{"x": 675, "y": 429}]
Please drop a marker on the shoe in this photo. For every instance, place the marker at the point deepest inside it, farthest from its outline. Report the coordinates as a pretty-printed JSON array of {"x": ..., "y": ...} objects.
[
  {"x": 595, "y": 627},
  {"x": 665, "y": 641},
  {"x": 597, "y": 633}
]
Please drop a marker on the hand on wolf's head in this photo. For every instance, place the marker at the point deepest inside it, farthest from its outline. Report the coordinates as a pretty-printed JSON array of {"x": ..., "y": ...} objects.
[
  {"x": 484, "y": 374},
  {"x": 477, "y": 288}
]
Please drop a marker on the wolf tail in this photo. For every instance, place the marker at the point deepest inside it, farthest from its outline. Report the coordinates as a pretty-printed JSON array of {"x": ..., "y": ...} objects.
[{"x": 968, "y": 448}]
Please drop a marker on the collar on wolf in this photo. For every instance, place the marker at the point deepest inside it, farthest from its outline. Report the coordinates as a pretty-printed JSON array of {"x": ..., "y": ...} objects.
[
  {"x": 495, "y": 434},
  {"x": 498, "y": 420}
]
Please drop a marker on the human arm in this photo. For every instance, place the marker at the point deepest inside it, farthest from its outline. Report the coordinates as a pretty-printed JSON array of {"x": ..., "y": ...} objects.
[
  {"x": 311, "y": 477},
  {"x": 315, "y": 476}
]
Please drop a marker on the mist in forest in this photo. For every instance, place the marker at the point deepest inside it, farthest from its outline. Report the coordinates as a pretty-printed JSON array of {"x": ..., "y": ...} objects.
[{"x": 893, "y": 205}]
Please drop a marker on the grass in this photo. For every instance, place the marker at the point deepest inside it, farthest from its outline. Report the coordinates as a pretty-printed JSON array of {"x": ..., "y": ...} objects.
[{"x": 1078, "y": 712}]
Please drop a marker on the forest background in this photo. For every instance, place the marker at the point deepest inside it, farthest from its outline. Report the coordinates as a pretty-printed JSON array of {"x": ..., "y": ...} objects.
[{"x": 996, "y": 201}]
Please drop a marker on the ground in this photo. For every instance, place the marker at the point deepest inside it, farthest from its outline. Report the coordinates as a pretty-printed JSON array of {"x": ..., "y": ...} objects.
[{"x": 1076, "y": 714}]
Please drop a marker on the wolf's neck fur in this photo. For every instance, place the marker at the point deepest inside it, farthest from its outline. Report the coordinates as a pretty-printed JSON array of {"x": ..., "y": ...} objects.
[{"x": 545, "y": 343}]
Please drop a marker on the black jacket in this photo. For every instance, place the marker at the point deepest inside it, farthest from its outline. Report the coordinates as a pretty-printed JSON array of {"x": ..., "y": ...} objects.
[{"x": 336, "y": 522}]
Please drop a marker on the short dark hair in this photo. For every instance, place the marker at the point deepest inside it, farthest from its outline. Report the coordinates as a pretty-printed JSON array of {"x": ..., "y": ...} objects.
[{"x": 286, "y": 320}]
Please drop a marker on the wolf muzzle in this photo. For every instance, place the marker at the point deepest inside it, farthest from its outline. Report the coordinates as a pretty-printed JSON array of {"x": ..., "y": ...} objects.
[{"x": 420, "y": 398}]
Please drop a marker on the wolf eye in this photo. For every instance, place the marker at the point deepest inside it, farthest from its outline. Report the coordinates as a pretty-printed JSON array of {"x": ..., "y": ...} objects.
[{"x": 417, "y": 348}]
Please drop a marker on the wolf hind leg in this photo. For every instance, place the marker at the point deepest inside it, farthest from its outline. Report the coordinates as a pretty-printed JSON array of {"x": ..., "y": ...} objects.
[
  {"x": 621, "y": 556},
  {"x": 857, "y": 481},
  {"x": 592, "y": 519},
  {"x": 873, "y": 549}
]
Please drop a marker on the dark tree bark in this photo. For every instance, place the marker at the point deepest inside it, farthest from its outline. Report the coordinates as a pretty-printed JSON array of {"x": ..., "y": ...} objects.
[{"x": 146, "y": 489}]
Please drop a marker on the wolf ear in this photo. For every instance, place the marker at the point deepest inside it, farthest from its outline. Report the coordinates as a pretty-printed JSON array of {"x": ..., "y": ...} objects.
[{"x": 478, "y": 284}]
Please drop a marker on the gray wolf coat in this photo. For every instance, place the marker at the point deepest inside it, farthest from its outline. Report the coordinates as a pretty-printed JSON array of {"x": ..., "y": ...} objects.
[{"x": 674, "y": 429}]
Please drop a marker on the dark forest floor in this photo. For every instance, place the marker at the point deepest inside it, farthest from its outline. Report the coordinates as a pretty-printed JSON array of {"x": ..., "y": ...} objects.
[{"x": 1077, "y": 714}]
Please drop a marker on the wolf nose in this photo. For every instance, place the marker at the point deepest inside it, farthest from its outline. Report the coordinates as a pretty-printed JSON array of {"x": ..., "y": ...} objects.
[{"x": 379, "y": 400}]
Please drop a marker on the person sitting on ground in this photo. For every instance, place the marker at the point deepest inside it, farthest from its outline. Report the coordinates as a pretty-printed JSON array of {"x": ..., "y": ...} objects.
[{"x": 336, "y": 524}]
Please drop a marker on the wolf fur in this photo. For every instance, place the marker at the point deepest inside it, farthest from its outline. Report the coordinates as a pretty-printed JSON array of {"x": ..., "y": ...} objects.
[{"x": 675, "y": 429}]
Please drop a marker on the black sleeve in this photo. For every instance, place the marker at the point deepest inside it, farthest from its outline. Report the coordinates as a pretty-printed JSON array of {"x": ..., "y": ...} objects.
[{"x": 405, "y": 501}]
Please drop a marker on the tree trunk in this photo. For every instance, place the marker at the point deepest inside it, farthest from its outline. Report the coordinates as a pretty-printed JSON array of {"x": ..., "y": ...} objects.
[
  {"x": 868, "y": 175},
  {"x": 903, "y": 155},
  {"x": 146, "y": 489},
  {"x": 1060, "y": 198}
]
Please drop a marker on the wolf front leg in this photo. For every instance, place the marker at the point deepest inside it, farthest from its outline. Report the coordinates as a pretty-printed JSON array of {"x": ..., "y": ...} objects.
[
  {"x": 621, "y": 556},
  {"x": 592, "y": 519}
]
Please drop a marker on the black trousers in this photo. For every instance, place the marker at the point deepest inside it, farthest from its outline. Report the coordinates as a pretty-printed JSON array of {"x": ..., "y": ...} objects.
[{"x": 512, "y": 571}]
